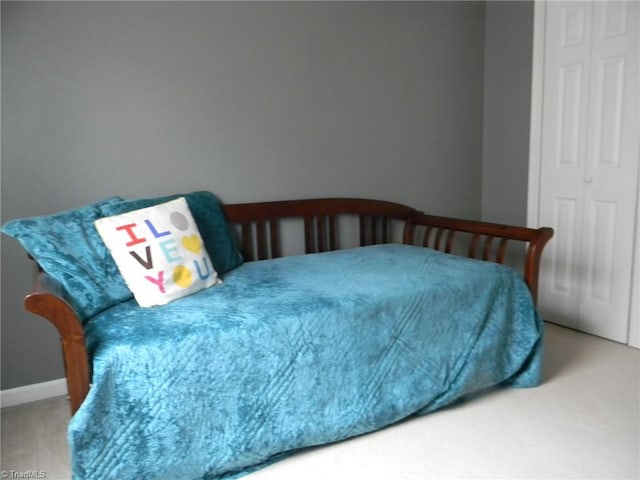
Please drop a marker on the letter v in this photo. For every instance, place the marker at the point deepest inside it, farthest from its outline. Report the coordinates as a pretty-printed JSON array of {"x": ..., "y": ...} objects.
[{"x": 148, "y": 264}]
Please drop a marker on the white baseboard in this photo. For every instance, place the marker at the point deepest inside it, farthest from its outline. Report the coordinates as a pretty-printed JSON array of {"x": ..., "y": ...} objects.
[{"x": 33, "y": 393}]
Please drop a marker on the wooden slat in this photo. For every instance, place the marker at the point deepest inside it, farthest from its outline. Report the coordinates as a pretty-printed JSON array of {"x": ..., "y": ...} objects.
[
  {"x": 474, "y": 245},
  {"x": 261, "y": 227},
  {"x": 363, "y": 230},
  {"x": 321, "y": 234},
  {"x": 333, "y": 233},
  {"x": 384, "y": 226},
  {"x": 449, "y": 245},
  {"x": 373, "y": 231},
  {"x": 274, "y": 232},
  {"x": 502, "y": 249},
  {"x": 438, "y": 239},
  {"x": 247, "y": 241},
  {"x": 409, "y": 233},
  {"x": 487, "y": 247},
  {"x": 308, "y": 235},
  {"x": 427, "y": 236}
]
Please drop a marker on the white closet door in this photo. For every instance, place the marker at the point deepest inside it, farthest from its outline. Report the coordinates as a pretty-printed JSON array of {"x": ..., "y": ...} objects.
[{"x": 589, "y": 163}]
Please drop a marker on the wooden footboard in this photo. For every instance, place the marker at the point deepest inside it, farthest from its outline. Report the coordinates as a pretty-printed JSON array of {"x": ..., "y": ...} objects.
[
  {"x": 259, "y": 228},
  {"x": 484, "y": 241}
]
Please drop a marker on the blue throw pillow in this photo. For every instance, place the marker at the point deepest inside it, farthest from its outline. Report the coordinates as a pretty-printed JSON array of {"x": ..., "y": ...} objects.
[
  {"x": 208, "y": 215},
  {"x": 67, "y": 246}
]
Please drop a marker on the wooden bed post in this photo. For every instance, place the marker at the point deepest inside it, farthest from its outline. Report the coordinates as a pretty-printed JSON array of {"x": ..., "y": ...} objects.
[
  {"x": 532, "y": 262},
  {"x": 76, "y": 363}
]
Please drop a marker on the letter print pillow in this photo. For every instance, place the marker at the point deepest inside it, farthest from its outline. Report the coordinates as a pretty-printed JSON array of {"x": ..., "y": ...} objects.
[{"x": 159, "y": 252}]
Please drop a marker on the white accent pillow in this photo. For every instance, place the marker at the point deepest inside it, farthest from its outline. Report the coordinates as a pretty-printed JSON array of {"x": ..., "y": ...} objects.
[{"x": 159, "y": 252}]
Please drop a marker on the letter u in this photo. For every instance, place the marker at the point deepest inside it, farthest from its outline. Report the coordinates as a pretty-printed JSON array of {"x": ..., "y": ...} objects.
[{"x": 207, "y": 273}]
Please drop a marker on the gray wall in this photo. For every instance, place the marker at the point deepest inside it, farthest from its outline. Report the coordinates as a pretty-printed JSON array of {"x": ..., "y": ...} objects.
[
  {"x": 254, "y": 101},
  {"x": 507, "y": 107}
]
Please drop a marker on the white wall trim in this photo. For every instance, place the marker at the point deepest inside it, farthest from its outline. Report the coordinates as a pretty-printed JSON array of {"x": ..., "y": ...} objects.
[
  {"x": 535, "y": 137},
  {"x": 634, "y": 319},
  {"x": 32, "y": 393}
]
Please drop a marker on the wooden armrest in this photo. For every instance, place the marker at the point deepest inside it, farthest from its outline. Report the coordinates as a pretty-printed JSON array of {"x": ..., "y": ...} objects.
[
  {"x": 439, "y": 233},
  {"x": 48, "y": 302}
]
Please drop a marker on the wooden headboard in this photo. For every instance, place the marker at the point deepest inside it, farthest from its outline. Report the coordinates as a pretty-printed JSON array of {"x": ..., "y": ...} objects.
[{"x": 260, "y": 223}]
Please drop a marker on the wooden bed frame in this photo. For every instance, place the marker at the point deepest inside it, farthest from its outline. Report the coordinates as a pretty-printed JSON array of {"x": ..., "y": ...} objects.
[{"x": 259, "y": 229}]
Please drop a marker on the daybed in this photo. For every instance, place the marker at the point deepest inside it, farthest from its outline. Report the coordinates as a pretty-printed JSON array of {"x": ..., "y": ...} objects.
[{"x": 287, "y": 351}]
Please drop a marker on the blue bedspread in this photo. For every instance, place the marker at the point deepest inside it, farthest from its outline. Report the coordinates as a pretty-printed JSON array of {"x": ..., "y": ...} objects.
[{"x": 295, "y": 352}]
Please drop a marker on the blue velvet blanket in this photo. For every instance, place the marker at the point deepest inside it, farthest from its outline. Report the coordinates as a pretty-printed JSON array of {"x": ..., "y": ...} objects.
[{"x": 295, "y": 352}]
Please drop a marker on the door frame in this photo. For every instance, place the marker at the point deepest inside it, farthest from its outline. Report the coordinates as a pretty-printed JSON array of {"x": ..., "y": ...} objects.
[{"x": 535, "y": 129}]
